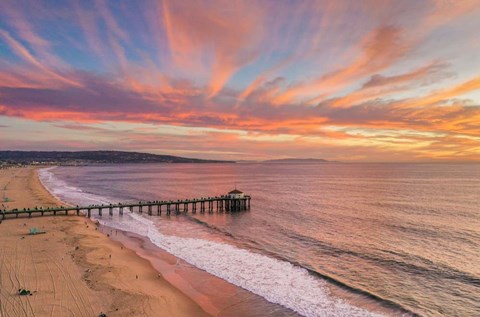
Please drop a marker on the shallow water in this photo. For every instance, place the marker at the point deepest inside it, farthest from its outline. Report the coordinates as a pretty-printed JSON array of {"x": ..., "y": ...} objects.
[{"x": 406, "y": 235}]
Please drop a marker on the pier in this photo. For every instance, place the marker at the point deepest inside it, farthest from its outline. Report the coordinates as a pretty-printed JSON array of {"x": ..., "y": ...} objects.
[{"x": 234, "y": 201}]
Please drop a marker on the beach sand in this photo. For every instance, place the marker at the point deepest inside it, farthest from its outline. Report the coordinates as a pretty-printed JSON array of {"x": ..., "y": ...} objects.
[{"x": 73, "y": 269}]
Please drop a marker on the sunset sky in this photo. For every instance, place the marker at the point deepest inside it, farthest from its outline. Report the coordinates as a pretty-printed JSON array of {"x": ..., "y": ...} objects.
[{"x": 340, "y": 80}]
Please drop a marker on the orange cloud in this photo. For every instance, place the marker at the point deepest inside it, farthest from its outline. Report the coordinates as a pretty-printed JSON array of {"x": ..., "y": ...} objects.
[
  {"x": 224, "y": 30},
  {"x": 437, "y": 96},
  {"x": 178, "y": 64},
  {"x": 380, "y": 86},
  {"x": 264, "y": 76},
  {"x": 321, "y": 18},
  {"x": 443, "y": 12},
  {"x": 381, "y": 48}
]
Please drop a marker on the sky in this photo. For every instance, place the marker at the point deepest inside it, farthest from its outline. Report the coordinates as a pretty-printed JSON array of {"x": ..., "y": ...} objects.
[{"x": 243, "y": 80}]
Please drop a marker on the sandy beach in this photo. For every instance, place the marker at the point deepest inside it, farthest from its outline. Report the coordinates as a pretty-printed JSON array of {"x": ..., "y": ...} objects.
[{"x": 73, "y": 269}]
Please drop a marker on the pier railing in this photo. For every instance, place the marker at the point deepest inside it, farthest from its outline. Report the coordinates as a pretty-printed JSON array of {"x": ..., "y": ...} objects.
[{"x": 208, "y": 204}]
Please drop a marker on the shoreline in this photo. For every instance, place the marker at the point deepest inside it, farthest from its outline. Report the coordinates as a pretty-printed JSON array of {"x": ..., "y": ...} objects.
[
  {"x": 74, "y": 269},
  {"x": 220, "y": 298},
  {"x": 214, "y": 295}
]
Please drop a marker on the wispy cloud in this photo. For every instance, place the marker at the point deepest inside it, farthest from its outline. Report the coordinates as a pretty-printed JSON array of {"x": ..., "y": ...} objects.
[
  {"x": 259, "y": 78},
  {"x": 380, "y": 49}
]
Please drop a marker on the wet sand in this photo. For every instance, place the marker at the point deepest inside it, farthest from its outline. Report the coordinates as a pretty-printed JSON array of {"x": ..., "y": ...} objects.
[
  {"x": 215, "y": 295},
  {"x": 73, "y": 269}
]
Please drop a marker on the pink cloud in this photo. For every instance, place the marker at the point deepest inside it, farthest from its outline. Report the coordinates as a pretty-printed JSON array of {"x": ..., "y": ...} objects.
[{"x": 258, "y": 68}]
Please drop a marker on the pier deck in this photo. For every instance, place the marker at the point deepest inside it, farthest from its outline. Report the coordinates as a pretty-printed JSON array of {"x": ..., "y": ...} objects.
[{"x": 209, "y": 204}]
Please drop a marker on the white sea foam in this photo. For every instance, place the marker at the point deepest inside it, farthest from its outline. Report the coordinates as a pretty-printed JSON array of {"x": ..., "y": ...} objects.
[
  {"x": 65, "y": 192},
  {"x": 277, "y": 281}
]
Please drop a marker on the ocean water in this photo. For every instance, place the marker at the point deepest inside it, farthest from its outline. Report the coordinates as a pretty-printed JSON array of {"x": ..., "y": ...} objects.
[{"x": 325, "y": 239}]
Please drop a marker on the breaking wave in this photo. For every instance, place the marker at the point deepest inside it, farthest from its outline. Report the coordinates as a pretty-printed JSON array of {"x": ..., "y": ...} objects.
[{"x": 275, "y": 280}]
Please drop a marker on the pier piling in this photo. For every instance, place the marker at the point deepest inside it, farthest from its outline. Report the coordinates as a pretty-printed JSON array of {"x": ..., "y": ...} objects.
[{"x": 225, "y": 203}]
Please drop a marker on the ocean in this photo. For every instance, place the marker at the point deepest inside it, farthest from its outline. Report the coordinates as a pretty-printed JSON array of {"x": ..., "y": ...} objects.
[{"x": 320, "y": 239}]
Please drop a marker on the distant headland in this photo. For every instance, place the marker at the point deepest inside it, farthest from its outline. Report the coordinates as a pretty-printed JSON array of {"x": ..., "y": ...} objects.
[
  {"x": 297, "y": 160},
  {"x": 93, "y": 157}
]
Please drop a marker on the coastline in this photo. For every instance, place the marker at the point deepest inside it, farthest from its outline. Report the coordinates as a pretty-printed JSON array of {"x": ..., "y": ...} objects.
[
  {"x": 74, "y": 269},
  {"x": 216, "y": 296}
]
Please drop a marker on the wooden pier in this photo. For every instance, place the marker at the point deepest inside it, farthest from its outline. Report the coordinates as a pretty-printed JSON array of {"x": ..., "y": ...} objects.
[{"x": 224, "y": 203}]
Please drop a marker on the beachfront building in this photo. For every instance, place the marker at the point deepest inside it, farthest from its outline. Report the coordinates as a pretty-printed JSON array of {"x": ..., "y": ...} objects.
[{"x": 236, "y": 194}]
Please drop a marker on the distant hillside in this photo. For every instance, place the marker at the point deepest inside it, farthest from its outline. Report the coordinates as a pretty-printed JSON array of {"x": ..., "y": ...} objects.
[
  {"x": 85, "y": 157},
  {"x": 297, "y": 160}
]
